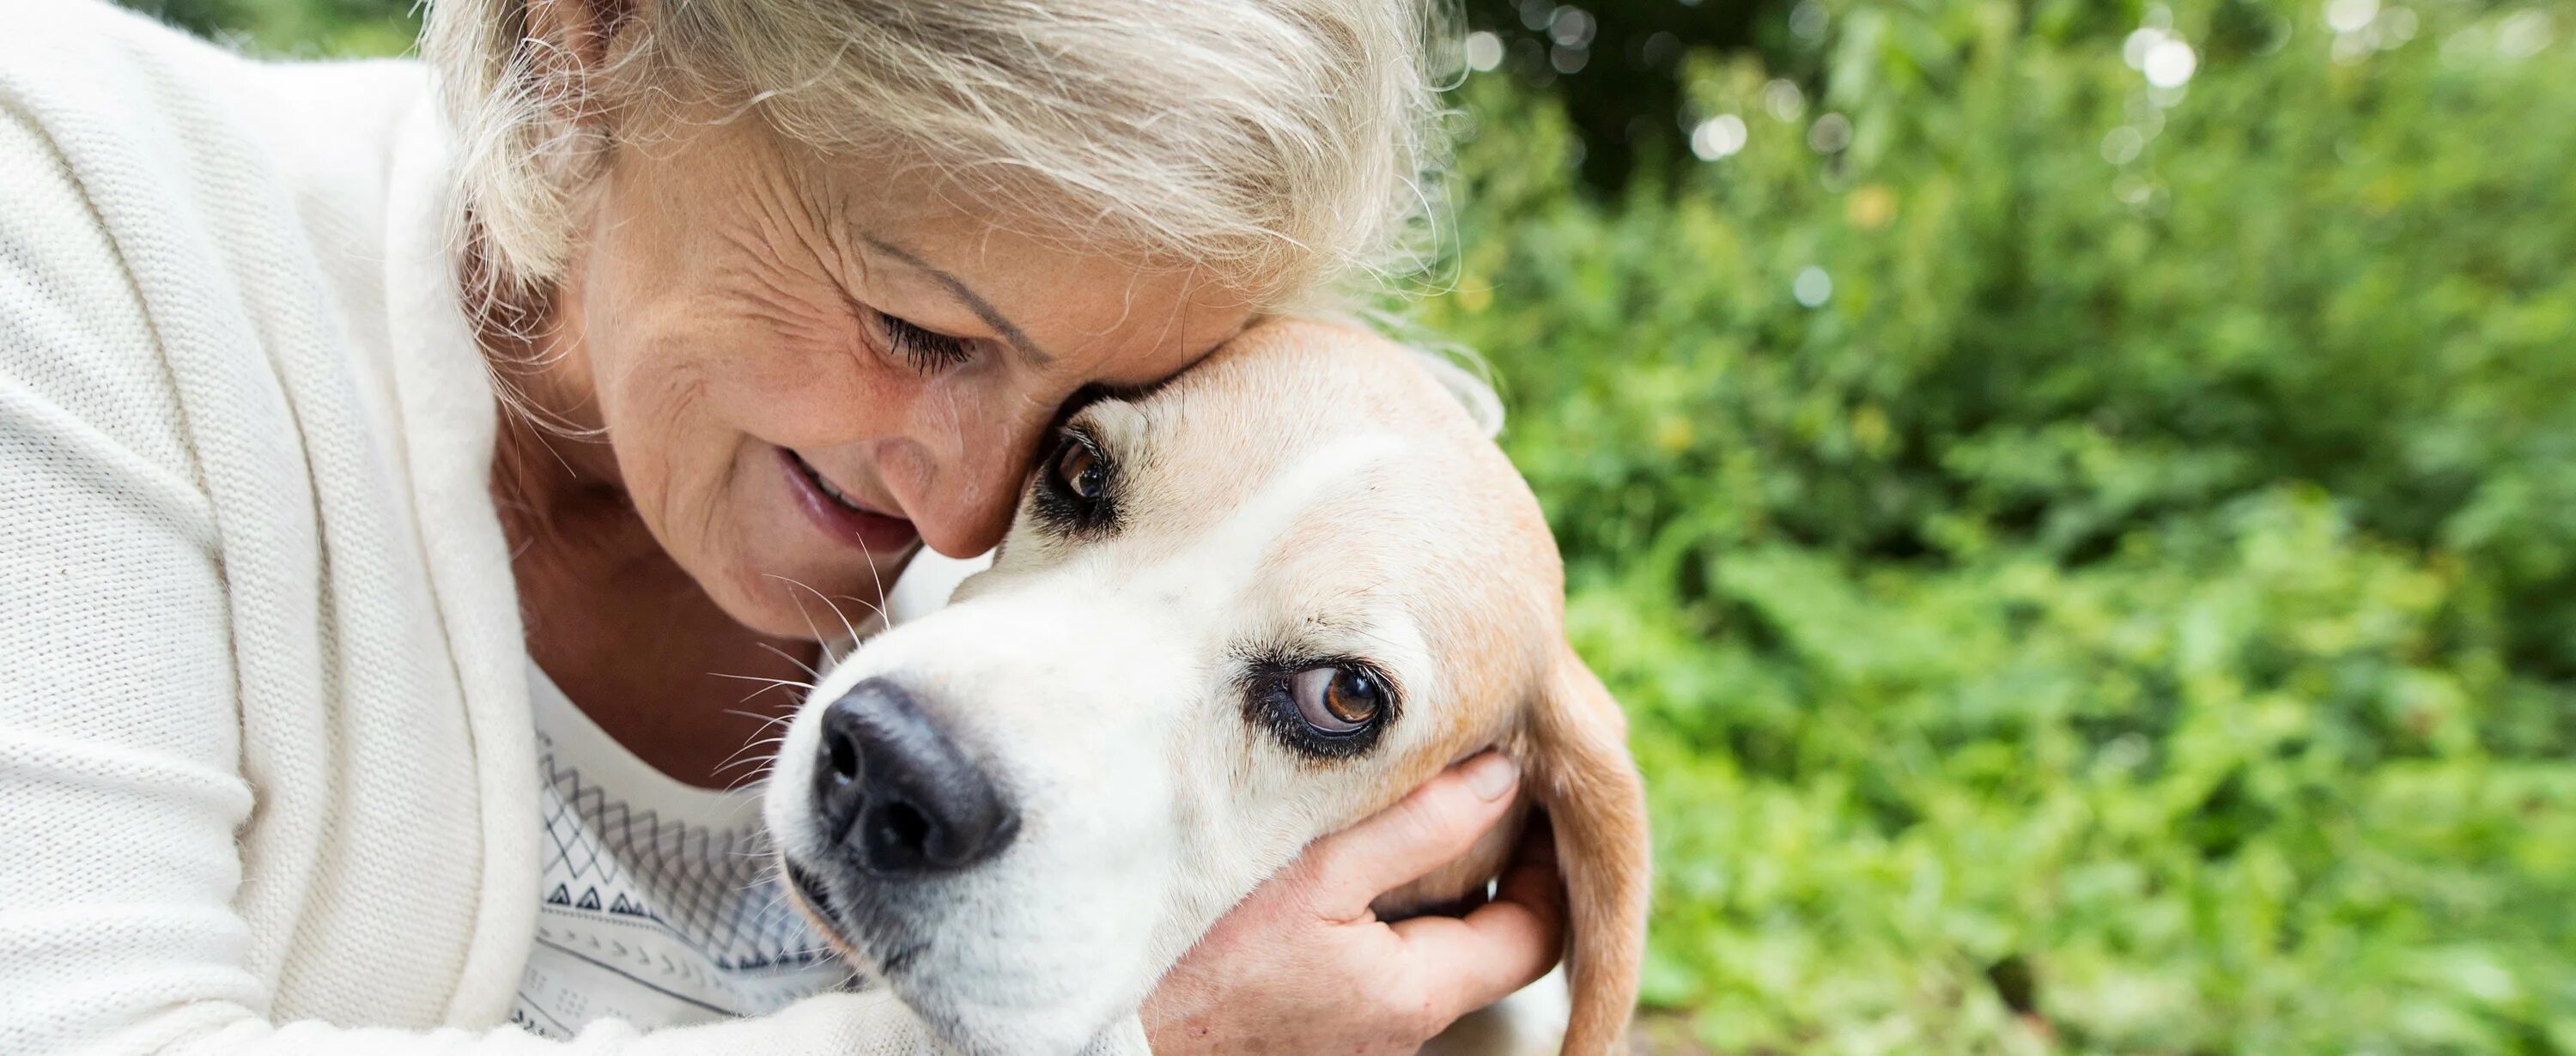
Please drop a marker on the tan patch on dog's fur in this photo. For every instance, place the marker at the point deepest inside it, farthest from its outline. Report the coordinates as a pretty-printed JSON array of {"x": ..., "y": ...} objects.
[{"x": 1310, "y": 489}]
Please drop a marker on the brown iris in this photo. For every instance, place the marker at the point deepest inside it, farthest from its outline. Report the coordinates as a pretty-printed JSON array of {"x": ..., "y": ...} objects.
[
  {"x": 1079, "y": 467},
  {"x": 1336, "y": 698}
]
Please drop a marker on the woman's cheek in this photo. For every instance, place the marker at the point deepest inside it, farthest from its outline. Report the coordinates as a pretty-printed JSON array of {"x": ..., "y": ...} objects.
[
  {"x": 653, "y": 389},
  {"x": 946, "y": 407},
  {"x": 829, "y": 398}
]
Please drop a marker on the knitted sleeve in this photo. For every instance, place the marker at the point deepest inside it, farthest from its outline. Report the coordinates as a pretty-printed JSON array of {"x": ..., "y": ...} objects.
[{"x": 121, "y": 777}]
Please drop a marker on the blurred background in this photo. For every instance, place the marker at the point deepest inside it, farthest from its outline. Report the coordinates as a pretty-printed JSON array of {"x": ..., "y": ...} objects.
[{"x": 2078, "y": 497}]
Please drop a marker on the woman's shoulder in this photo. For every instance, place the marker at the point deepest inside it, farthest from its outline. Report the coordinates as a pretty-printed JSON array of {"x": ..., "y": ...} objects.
[
  {"x": 170, "y": 198},
  {"x": 67, "y": 59},
  {"x": 108, "y": 85},
  {"x": 79, "y": 358}
]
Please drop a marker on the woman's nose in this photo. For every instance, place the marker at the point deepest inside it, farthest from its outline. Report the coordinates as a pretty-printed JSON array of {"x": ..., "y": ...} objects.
[
  {"x": 962, "y": 504},
  {"x": 968, "y": 524}
]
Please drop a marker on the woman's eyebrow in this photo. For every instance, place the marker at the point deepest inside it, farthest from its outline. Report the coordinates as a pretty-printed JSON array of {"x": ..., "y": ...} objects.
[{"x": 982, "y": 308}]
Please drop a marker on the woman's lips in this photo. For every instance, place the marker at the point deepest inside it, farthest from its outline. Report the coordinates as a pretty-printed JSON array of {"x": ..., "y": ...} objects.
[{"x": 840, "y": 518}]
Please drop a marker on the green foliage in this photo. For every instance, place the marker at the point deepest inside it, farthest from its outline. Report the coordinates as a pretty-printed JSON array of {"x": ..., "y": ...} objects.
[
  {"x": 2132, "y": 611},
  {"x": 298, "y": 28},
  {"x": 1615, "y": 65}
]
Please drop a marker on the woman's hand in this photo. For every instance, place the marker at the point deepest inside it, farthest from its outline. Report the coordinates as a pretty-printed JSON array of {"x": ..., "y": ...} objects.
[{"x": 1302, "y": 966}]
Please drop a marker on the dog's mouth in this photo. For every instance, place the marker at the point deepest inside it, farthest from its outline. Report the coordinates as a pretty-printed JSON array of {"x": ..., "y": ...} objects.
[
  {"x": 813, "y": 899},
  {"x": 812, "y": 896}
]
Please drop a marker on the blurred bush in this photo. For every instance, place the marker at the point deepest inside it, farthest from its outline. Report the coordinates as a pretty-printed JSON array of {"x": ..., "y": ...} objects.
[
  {"x": 296, "y": 28},
  {"x": 2079, "y": 498},
  {"x": 2080, "y": 501},
  {"x": 1616, "y": 66}
]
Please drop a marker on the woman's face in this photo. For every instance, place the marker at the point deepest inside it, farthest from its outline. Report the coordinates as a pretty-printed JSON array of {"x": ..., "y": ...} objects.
[{"x": 805, "y": 368}]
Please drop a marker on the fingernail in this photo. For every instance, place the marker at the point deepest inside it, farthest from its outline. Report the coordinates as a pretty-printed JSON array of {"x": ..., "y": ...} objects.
[{"x": 1492, "y": 774}]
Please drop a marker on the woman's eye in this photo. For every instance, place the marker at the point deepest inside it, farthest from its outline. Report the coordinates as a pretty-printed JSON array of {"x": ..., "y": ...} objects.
[
  {"x": 1336, "y": 698},
  {"x": 928, "y": 351},
  {"x": 1078, "y": 467}
]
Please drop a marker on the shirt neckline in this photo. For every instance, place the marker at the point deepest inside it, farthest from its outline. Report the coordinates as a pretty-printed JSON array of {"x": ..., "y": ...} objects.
[{"x": 567, "y": 734}]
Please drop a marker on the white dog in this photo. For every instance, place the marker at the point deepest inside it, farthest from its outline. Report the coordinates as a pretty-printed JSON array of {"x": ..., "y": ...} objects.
[{"x": 1234, "y": 614}]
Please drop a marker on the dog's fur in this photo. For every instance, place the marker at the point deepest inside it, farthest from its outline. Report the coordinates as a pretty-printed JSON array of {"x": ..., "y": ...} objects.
[{"x": 1307, "y": 492}]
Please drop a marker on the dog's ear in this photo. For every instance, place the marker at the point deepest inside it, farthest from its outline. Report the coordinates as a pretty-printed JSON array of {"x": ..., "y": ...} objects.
[{"x": 1596, "y": 804}]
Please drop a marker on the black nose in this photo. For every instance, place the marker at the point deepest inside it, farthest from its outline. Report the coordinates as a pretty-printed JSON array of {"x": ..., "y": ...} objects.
[{"x": 897, "y": 794}]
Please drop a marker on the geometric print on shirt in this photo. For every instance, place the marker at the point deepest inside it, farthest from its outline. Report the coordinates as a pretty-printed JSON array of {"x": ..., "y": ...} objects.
[{"x": 716, "y": 890}]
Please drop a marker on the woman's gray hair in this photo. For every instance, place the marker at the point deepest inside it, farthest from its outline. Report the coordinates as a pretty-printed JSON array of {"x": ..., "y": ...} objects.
[{"x": 1286, "y": 146}]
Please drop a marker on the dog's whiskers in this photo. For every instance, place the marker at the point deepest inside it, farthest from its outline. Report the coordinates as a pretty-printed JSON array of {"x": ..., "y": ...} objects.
[
  {"x": 879, "y": 579},
  {"x": 812, "y": 631},
  {"x": 782, "y": 654},
  {"x": 767, "y": 685},
  {"x": 737, "y": 759},
  {"x": 766, "y": 720},
  {"x": 773, "y": 682},
  {"x": 846, "y": 626},
  {"x": 771, "y": 685}
]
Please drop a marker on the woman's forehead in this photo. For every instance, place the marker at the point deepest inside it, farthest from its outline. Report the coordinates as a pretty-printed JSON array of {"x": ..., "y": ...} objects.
[{"x": 1109, "y": 318}]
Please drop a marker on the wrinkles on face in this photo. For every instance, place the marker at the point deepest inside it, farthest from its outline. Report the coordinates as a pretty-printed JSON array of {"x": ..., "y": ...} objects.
[
  {"x": 784, "y": 269},
  {"x": 690, "y": 503},
  {"x": 776, "y": 297},
  {"x": 732, "y": 309}
]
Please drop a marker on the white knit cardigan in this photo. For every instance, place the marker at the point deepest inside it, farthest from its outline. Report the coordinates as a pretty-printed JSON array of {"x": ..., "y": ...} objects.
[{"x": 266, "y": 775}]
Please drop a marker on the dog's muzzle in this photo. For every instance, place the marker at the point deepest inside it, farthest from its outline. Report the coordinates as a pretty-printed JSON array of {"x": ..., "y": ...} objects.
[{"x": 896, "y": 796}]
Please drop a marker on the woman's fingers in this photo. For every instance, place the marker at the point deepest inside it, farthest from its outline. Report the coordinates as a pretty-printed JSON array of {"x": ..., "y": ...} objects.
[
  {"x": 1301, "y": 966},
  {"x": 1503, "y": 945},
  {"x": 1433, "y": 826}
]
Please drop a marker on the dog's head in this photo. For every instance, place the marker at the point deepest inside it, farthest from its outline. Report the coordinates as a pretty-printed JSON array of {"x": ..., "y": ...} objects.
[{"x": 1236, "y": 614}]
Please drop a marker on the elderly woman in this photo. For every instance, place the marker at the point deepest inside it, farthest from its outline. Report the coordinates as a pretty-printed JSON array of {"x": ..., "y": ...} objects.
[{"x": 395, "y": 461}]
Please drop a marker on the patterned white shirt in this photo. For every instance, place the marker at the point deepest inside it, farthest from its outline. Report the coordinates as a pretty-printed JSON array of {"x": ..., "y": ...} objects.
[{"x": 661, "y": 904}]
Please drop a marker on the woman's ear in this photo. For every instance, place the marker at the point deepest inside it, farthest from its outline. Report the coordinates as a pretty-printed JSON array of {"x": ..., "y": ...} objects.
[{"x": 1582, "y": 774}]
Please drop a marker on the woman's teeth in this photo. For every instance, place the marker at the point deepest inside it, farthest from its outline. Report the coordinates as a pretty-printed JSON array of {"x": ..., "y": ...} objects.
[{"x": 825, "y": 486}]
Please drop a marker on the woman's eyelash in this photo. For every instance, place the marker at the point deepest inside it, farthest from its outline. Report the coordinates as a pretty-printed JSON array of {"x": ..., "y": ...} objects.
[{"x": 928, "y": 351}]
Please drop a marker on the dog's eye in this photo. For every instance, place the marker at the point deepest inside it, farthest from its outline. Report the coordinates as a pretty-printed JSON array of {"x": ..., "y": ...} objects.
[
  {"x": 1336, "y": 699},
  {"x": 1322, "y": 707},
  {"x": 1074, "y": 492},
  {"x": 1078, "y": 466}
]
